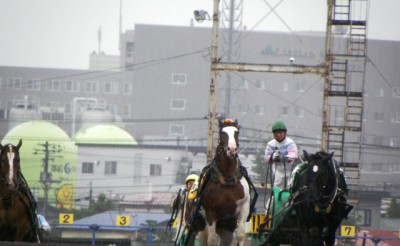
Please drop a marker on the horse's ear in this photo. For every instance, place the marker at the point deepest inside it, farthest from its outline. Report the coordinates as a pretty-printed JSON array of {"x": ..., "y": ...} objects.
[
  {"x": 19, "y": 144},
  {"x": 331, "y": 154},
  {"x": 306, "y": 155}
]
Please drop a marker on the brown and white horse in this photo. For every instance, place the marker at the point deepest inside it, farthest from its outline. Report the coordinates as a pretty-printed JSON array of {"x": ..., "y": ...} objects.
[
  {"x": 18, "y": 219},
  {"x": 225, "y": 195}
]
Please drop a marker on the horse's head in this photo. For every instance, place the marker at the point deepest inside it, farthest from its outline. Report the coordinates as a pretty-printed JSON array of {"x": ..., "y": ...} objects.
[
  {"x": 229, "y": 137},
  {"x": 10, "y": 164},
  {"x": 321, "y": 178}
]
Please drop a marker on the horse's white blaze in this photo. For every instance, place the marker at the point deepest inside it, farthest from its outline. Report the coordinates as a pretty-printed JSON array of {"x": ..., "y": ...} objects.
[
  {"x": 230, "y": 130},
  {"x": 10, "y": 156}
]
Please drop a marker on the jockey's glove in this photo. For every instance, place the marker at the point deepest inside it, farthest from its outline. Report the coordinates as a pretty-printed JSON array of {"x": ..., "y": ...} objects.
[{"x": 276, "y": 156}]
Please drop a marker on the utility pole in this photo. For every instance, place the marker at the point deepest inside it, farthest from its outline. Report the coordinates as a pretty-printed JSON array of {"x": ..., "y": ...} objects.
[
  {"x": 213, "y": 96},
  {"x": 46, "y": 177}
]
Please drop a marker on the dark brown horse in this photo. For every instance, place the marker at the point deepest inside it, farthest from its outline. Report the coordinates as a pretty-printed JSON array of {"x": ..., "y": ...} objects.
[
  {"x": 18, "y": 219},
  {"x": 225, "y": 194}
]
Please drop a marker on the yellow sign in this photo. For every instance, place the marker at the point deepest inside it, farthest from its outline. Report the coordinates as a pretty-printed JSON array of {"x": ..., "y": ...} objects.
[
  {"x": 348, "y": 231},
  {"x": 66, "y": 219},
  {"x": 256, "y": 221},
  {"x": 123, "y": 220},
  {"x": 65, "y": 196}
]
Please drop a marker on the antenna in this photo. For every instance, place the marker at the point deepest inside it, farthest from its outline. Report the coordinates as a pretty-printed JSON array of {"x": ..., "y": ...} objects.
[
  {"x": 120, "y": 24},
  {"x": 99, "y": 39}
]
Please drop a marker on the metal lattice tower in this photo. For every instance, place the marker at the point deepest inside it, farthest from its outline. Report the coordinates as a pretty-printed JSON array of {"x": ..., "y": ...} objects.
[
  {"x": 231, "y": 23},
  {"x": 346, "y": 56}
]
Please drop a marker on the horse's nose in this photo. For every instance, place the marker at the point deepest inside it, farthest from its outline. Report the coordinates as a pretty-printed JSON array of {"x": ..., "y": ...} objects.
[{"x": 232, "y": 150}]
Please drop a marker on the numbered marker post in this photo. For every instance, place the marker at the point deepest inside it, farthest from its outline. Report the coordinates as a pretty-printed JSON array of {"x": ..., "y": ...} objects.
[
  {"x": 348, "y": 231},
  {"x": 122, "y": 220},
  {"x": 66, "y": 219}
]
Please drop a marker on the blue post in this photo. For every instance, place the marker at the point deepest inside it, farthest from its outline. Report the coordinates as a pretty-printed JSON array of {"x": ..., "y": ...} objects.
[
  {"x": 150, "y": 237},
  {"x": 94, "y": 228}
]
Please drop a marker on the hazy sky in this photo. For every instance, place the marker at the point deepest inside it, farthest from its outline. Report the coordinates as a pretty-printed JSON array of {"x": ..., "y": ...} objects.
[{"x": 62, "y": 33}]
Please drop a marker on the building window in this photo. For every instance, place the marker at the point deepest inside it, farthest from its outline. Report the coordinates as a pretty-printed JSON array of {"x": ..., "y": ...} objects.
[
  {"x": 110, "y": 167},
  {"x": 243, "y": 108},
  {"x": 53, "y": 85},
  {"x": 137, "y": 167},
  {"x": 33, "y": 84},
  {"x": 244, "y": 84},
  {"x": 87, "y": 167},
  {"x": 179, "y": 78},
  {"x": 284, "y": 110},
  {"x": 396, "y": 168},
  {"x": 14, "y": 83},
  {"x": 91, "y": 86},
  {"x": 299, "y": 112},
  {"x": 395, "y": 117},
  {"x": 72, "y": 86},
  {"x": 393, "y": 142},
  {"x": 177, "y": 104},
  {"x": 260, "y": 84},
  {"x": 396, "y": 92},
  {"x": 127, "y": 88},
  {"x": 378, "y": 140},
  {"x": 155, "y": 169},
  {"x": 111, "y": 88},
  {"x": 126, "y": 110},
  {"x": 259, "y": 109},
  {"x": 301, "y": 86},
  {"x": 176, "y": 130},
  {"x": 113, "y": 108},
  {"x": 380, "y": 92},
  {"x": 364, "y": 217},
  {"x": 53, "y": 105},
  {"x": 285, "y": 86},
  {"x": 129, "y": 49},
  {"x": 68, "y": 108},
  {"x": 379, "y": 116}
]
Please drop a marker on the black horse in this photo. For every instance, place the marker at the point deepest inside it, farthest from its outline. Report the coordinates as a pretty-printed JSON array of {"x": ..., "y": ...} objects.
[{"x": 316, "y": 205}]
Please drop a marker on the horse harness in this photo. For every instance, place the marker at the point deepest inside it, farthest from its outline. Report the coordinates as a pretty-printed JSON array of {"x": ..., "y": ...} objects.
[
  {"x": 304, "y": 190},
  {"x": 21, "y": 186}
]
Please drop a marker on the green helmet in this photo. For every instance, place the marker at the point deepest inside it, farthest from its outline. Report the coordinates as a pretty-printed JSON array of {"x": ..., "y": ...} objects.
[{"x": 279, "y": 126}]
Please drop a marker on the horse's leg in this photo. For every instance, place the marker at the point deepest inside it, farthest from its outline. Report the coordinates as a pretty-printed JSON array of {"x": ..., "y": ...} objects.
[
  {"x": 225, "y": 236},
  {"x": 192, "y": 239},
  {"x": 243, "y": 207},
  {"x": 203, "y": 235},
  {"x": 212, "y": 239}
]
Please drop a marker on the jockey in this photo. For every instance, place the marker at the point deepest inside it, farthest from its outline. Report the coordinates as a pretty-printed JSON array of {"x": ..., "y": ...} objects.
[
  {"x": 281, "y": 152},
  {"x": 180, "y": 211}
]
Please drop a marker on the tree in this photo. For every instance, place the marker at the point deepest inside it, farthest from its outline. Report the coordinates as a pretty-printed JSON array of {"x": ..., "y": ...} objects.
[
  {"x": 102, "y": 204},
  {"x": 260, "y": 169},
  {"x": 393, "y": 211}
]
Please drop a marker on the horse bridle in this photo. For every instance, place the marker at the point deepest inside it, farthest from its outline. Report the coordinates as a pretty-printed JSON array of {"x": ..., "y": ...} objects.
[{"x": 333, "y": 194}]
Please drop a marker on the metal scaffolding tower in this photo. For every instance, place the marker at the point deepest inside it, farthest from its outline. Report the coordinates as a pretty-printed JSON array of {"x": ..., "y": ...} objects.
[
  {"x": 232, "y": 24},
  {"x": 346, "y": 56}
]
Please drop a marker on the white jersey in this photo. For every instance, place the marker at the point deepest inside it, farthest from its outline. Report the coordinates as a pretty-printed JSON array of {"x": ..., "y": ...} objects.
[{"x": 287, "y": 149}]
